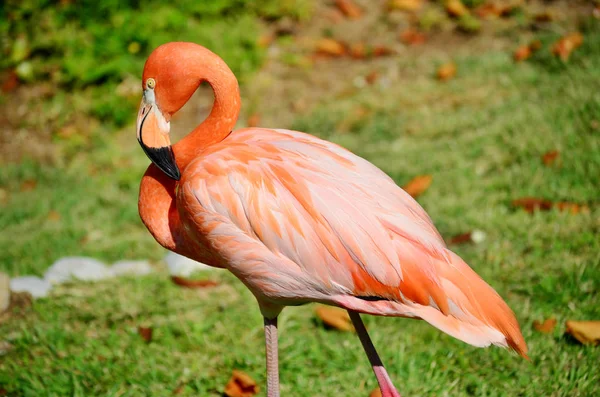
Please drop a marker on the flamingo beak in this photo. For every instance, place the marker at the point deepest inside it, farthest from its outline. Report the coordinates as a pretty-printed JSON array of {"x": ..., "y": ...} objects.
[{"x": 153, "y": 135}]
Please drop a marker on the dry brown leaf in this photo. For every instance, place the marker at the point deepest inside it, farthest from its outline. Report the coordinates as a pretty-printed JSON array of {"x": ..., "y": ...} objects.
[
  {"x": 253, "y": 120},
  {"x": 241, "y": 385},
  {"x": 488, "y": 10},
  {"x": 53, "y": 216},
  {"x": 28, "y": 185},
  {"x": 376, "y": 392},
  {"x": 446, "y": 71},
  {"x": 461, "y": 238},
  {"x": 330, "y": 47},
  {"x": 11, "y": 82},
  {"x": 566, "y": 45},
  {"x": 187, "y": 283},
  {"x": 525, "y": 51},
  {"x": 418, "y": 185},
  {"x": 349, "y": 8},
  {"x": 522, "y": 53},
  {"x": 496, "y": 9},
  {"x": 456, "y": 8},
  {"x": 413, "y": 37},
  {"x": 334, "y": 317},
  {"x": 544, "y": 16},
  {"x": 372, "y": 77},
  {"x": 358, "y": 51},
  {"x": 405, "y": 5},
  {"x": 573, "y": 208},
  {"x": 532, "y": 204},
  {"x": 145, "y": 333},
  {"x": 550, "y": 157},
  {"x": 586, "y": 332},
  {"x": 545, "y": 326},
  {"x": 382, "y": 51}
]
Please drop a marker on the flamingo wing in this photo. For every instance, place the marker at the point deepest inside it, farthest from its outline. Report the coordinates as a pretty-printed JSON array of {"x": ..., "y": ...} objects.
[{"x": 300, "y": 219}]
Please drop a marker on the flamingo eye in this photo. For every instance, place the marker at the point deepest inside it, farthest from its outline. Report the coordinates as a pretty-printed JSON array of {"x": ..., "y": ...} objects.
[{"x": 151, "y": 83}]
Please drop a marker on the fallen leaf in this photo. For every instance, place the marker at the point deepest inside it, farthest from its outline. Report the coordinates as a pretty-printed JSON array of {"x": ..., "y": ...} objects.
[
  {"x": 376, "y": 392},
  {"x": 545, "y": 326},
  {"x": 179, "y": 389},
  {"x": 53, "y": 216},
  {"x": 566, "y": 45},
  {"x": 372, "y": 77},
  {"x": 550, "y": 157},
  {"x": 382, "y": 51},
  {"x": 253, "y": 120},
  {"x": 358, "y": 51},
  {"x": 11, "y": 82},
  {"x": 349, "y": 8},
  {"x": 573, "y": 208},
  {"x": 241, "y": 385},
  {"x": 596, "y": 12},
  {"x": 488, "y": 10},
  {"x": 496, "y": 9},
  {"x": 522, "y": 53},
  {"x": 145, "y": 333},
  {"x": 334, "y": 317},
  {"x": 446, "y": 71},
  {"x": 525, "y": 51},
  {"x": 330, "y": 47},
  {"x": 187, "y": 283},
  {"x": 418, "y": 185},
  {"x": 456, "y": 8},
  {"x": 405, "y": 5},
  {"x": 586, "y": 332},
  {"x": 532, "y": 204},
  {"x": 545, "y": 16},
  {"x": 413, "y": 37},
  {"x": 28, "y": 185}
]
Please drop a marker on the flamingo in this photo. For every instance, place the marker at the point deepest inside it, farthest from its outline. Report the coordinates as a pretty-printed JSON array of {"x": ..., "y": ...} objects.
[{"x": 298, "y": 219}]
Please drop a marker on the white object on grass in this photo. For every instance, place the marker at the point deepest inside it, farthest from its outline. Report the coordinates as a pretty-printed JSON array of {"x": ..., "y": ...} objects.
[
  {"x": 77, "y": 267},
  {"x": 37, "y": 287}
]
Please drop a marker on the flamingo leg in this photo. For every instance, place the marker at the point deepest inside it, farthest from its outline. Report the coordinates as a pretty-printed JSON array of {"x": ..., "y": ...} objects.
[
  {"x": 272, "y": 357},
  {"x": 385, "y": 383}
]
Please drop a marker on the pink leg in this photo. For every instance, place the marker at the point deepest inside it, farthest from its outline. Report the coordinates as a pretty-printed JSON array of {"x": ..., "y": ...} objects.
[
  {"x": 272, "y": 360},
  {"x": 385, "y": 383}
]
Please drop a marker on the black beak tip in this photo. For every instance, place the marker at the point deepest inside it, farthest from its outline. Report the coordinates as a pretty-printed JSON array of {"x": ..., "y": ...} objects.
[{"x": 164, "y": 159}]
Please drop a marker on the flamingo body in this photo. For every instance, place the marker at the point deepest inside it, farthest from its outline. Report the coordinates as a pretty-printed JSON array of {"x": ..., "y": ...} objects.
[{"x": 298, "y": 219}]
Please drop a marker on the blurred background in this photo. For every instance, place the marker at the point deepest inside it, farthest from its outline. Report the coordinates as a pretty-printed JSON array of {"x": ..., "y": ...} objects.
[{"x": 488, "y": 111}]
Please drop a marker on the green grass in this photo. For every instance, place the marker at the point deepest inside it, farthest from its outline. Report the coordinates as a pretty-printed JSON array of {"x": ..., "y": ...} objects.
[
  {"x": 86, "y": 49},
  {"x": 480, "y": 135}
]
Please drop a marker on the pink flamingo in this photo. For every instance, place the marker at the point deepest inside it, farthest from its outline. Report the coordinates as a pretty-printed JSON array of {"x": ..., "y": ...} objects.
[{"x": 298, "y": 219}]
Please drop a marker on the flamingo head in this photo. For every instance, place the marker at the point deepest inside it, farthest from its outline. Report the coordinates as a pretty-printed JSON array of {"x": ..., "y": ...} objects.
[{"x": 168, "y": 81}]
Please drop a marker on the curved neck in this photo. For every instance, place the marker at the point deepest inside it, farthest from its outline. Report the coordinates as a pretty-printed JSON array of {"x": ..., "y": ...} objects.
[
  {"x": 222, "y": 118},
  {"x": 157, "y": 204}
]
